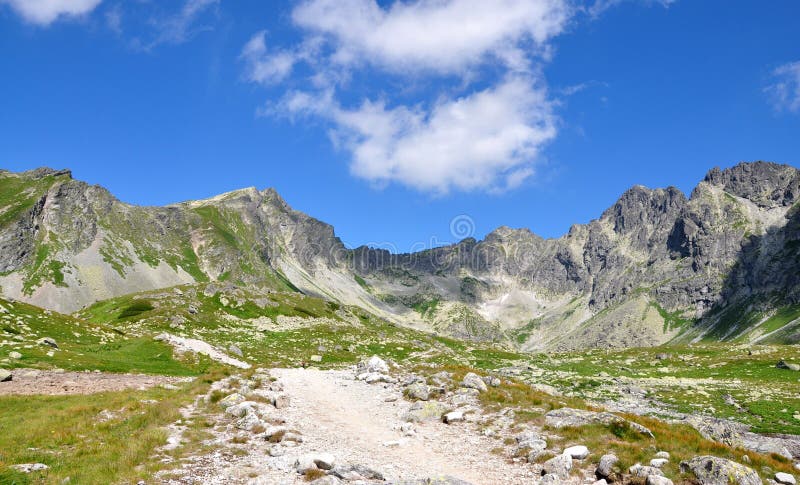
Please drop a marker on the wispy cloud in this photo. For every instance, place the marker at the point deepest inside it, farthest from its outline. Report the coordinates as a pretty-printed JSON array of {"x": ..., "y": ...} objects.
[
  {"x": 45, "y": 12},
  {"x": 601, "y": 6},
  {"x": 784, "y": 90},
  {"x": 178, "y": 27}
]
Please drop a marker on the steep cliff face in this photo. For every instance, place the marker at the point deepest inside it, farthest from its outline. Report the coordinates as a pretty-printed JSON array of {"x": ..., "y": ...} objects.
[{"x": 655, "y": 266}]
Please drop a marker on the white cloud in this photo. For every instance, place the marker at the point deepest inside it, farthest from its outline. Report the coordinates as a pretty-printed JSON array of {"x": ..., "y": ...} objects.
[
  {"x": 45, "y": 12},
  {"x": 180, "y": 26},
  {"x": 267, "y": 67},
  {"x": 444, "y": 36},
  {"x": 484, "y": 141},
  {"x": 784, "y": 92},
  {"x": 600, "y": 6}
]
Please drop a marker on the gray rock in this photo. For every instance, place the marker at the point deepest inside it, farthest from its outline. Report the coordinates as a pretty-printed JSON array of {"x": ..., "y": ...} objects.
[
  {"x": 785, "y": 479},
  {"x": 248, "y": 422},
  {"x": 49, "y": 341},
  {"x": 356, "y": 472},
  {"x": 15, "y": 355},
  {"x": 607, "y": 467},
  {"x": 550, "y": 479},
  {"x": 711, "y": 470},
  {"x": 418, "y": 391},
  {"x": 231, "y": 400},
  {"x": 372, "y": 365},
  {"x": 559, "y": 466},
  {"x": 316, "y": 358},
  {"x": 569, "y": 417},
  {"x": 640, "y": 471},
  {"x": 578, "y": 452},
  {"x": 453, "y": 417},
  {"x": 422, "y": 411},
  {"x": 326, "y": 480},
  {"x": 532, "y": 442},
  {"x": 491, "y": 381},
  {"x": 658, "y": 480},
  {"x": 5, "y": 375},
  {"x": 441, "y": 378},
  {"x": 235, "y": 350},
  {"x": 474, "y": 381},
  {"x": 658, "y": 462},
  {"x": 30, "y": 467},
  {"x": 782, "y": 364}
]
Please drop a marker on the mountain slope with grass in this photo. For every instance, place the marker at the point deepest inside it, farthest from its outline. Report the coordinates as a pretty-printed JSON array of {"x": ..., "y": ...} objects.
[{"x": 656, "y": 267}]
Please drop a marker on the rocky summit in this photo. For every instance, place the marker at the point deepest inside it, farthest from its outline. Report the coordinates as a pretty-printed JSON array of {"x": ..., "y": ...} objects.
[{"x": 656, "y": 267}]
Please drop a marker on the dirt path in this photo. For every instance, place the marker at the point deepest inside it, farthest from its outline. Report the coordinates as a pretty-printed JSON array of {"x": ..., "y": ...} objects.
[
  {"x": 358, "y": 423},
  {"x": 354, "y": 421},
  {"x": 32, "y": 381}
]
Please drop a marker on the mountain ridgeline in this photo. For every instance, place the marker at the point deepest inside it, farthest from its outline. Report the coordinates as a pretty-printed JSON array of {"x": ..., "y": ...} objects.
[{"x": 656, "y": 267}]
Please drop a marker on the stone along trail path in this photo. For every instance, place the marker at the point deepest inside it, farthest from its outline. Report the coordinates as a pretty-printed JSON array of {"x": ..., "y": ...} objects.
[
  {"x": 347, "y": 423},
  {"x": 360, "y": 423}
]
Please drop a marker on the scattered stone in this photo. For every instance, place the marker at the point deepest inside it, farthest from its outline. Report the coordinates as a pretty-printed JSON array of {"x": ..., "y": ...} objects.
[
  {"x": 316, "y": 358},
  {"x": 305, "y": 464},
  {"x": 531, "y": 441},
  {"x": 241, "y": 409},
  {"x": 550, "y": 479},
  {"x": 281, "y": 400},
  {"x": 658, "y": 462},
  {"x": 373, "y": 364},
  {"x": 711, "y": 470},
  {"x": 607, "y": 467},
  {"x": 30, "y": 467},
  {"x": 657, "y": 480},
  {"x": 326, "y": 480},
  {"x": 422, "y": 411},
  {"x": 441, "y": 378},
  {"x": 231, "y": 400},
  {"x": 662, "y": 454},
  {"x": 248, "y": 422},
  {"x": 49, "y": 341},
  {"x": 453, "y": 417},
  {"x": 640, "y": 471},
  {"x": 5, "y": 375},
  {"x": 782, "y": 364},
  {"x": 578, "y": 452},
  {"x": 418, "y": 391},
  {"x": 324, "y": 461},
  {"x": 192, "y": 309},
  {"x": 235, "y": 350},
  {"x": 374, "y": 377},
  {"x": 569, "y": 417},
  {"x": 474, "y": 381},
  {"x": 15, "y": 355},
  {"x": 356, "y": 473},
  {"x": 491, "y": 381},
  {"x": 785, "y": 478},
  {"x": 559, "y": 466}
]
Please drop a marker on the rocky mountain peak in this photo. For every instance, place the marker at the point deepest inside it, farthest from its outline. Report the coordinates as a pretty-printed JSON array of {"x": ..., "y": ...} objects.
[
  {"x": 767, "y": 184},
  {"x": 42, "y": 172}
]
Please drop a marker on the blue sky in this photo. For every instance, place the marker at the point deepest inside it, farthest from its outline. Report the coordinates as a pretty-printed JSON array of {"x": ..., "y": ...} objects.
[{"x": 390, "y": 119}]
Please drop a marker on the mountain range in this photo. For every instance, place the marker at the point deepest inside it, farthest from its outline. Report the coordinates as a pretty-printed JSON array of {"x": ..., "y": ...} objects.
[{"x": 656, "y": 267}]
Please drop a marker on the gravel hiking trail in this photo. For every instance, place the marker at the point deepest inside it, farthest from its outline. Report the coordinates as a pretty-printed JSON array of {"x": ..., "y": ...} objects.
[
  {"x": 358, "y": 423},
  {"x": 33, "y": 381}
]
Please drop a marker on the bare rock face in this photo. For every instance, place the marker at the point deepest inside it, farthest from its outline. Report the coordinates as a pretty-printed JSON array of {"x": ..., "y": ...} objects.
[
  {"x": 711, "y": 470},
  {"x": 734, "y": 244}
]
